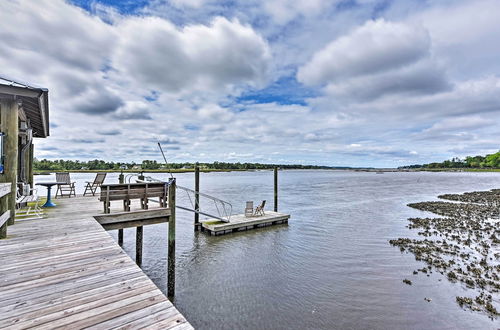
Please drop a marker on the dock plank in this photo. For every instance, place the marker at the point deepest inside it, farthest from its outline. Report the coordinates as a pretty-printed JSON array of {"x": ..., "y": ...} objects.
[{"x": 67, "y": 271}]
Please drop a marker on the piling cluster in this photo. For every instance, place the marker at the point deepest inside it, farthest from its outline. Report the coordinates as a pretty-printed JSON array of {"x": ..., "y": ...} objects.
[{"x": 463, "y": 245}]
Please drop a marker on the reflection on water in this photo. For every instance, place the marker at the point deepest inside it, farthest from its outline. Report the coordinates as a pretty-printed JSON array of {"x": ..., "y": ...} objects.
[{"x": 330, "y": 267}]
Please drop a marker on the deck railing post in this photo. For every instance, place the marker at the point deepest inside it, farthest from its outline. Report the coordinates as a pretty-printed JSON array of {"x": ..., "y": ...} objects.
[
  {"x": 275, "y": 189},
  {"x": 4, "y": 208},
  {"x": 171, "y": 240},
  {"x": 197, "y": 198}
]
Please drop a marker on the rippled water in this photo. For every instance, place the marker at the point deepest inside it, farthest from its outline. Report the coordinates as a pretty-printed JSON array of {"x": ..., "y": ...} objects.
[{"x": 330, "y": 267}]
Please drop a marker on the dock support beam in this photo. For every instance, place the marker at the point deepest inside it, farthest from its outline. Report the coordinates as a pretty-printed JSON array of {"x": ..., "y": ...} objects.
[
  {"x": 31, "y": 156},
  {"x": 121, "y": 179},
  {"x": 138, "y": 245},
  {"x": 120, "y": 237},
  {"x": 171, "y": 240},
  {"x": 9, "y": 111},
  {"x": 275, "y": 189},
  {"x": 197, "y": 198}
]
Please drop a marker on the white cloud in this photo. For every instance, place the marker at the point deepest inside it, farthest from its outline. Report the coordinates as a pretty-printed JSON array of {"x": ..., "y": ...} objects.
[
  {"x": 374, "y": 47},
  {"x": 188, "y": 3},
  {"x": 283, "y": 11},
  {"x": 459, "y": 124},
  {"x": 50, "y": 30},
  {"x": 424, "y": 77},
  {"x": 215, "y": 112},
  {"x": 197, "y": 57},
  {"x": 379, "y": 83}
]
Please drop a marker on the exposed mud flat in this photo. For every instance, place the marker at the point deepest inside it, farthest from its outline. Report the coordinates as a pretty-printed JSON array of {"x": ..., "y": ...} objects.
[{"x": 463, "y": 245}]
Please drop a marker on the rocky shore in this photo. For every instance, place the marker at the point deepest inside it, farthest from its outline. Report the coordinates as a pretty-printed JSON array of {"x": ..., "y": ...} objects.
[{"x": 463, "y": 245}]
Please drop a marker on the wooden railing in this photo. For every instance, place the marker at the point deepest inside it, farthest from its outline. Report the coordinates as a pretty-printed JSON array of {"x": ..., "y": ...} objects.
[
  {"x": 165, "y": 192},
  {"x": 5, "y": 189}
]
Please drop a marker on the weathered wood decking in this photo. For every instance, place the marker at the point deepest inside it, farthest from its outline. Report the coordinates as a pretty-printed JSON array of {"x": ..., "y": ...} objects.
[
  {"x": 66, "y": 271},
  {"x": 240, "y": 223}
]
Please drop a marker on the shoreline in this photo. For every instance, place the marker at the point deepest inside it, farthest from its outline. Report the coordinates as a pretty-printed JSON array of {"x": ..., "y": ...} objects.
[
  {"x": 209, "y": 170},
  {"x": 187, "y": 170}
]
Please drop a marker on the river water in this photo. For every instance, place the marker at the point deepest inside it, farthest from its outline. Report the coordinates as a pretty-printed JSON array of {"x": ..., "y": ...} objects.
[{"x": 331, "y": 267}]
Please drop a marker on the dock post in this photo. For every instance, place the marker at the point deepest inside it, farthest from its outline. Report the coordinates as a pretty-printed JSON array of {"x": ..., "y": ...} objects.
[
  {"x": 171, "y": 240},
  {"x": 120, "y": 237},
  {"x": 121, "y": 179},
  {"x": 138, "y": 246},
  {"x": 10, "y": 127},
  {"x": 141, "y": 176},
  {"x": 196, "y": 198},
  {"x": 275, "y": 189},
  {"x": 30, "y": 161}
]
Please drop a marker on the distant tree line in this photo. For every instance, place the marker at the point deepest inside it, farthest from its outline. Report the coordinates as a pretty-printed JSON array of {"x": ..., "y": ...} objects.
[
  {"x": 72, "y": 165},
  {"x": 488, "y": 161}
]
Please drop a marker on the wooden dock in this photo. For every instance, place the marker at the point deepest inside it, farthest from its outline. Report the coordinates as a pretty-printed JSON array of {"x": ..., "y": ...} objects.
[
  {"x": 240, "y": 223},
  {"x": 65, "y": 271}
]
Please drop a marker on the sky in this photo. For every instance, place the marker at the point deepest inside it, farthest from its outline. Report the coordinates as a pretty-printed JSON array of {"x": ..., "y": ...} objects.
[{"x": 341, "y": 83}]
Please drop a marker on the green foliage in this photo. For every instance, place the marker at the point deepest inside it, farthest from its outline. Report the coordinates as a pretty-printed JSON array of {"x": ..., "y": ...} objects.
[
  {"x": 474, "y": 162},
  {"x": 75, "y": 165}
]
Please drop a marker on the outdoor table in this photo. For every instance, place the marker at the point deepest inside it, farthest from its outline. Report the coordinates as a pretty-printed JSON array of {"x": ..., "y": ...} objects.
[{"x": 49, "y": 185}]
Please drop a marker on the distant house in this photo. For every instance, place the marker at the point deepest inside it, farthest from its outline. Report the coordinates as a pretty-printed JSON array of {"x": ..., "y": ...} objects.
[
  {"x": 123, "y": 167},
  {"x": 84, "y": 168},
  {"x": 136, "y": 167}
]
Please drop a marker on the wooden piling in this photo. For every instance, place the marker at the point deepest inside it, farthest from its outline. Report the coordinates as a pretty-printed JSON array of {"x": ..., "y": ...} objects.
[
  {"x": 9, "y": 126},
  {"x": 138, "y": 246},
  {"x": 30, "y": 162},
  {"x": 197, "y": 224},
  {"x": 171, "y": 240},
  {"x": 121, "y": 180},
  {"x": 120, "y": 237},
  {"x": 275, "y": 189}
]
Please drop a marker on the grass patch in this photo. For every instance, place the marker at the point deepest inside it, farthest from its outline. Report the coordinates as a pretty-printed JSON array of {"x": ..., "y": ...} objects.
[{"x": 216, "y": 222}]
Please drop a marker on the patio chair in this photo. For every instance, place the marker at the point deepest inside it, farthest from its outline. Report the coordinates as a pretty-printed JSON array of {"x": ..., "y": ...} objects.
[
  {"x": 28, "y": 211},
  {"x": 92, "y": 186},
  {"x": 67, "y": 188},
  {"x": 249, "y": 209},
  {"x": 259, "y": 210}
]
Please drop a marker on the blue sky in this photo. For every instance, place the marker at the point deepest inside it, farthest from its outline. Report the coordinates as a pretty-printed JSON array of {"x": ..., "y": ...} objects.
[{"x": 342, "y": 83}]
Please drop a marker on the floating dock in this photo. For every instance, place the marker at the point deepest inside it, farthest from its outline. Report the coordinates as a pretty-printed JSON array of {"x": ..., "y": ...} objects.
[
  {"x": 240, "y": 222},
  {"x": 65, "y": 271}
]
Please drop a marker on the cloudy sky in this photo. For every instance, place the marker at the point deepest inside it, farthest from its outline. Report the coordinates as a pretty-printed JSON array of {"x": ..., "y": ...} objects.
[{"x": 331, "y": 82}]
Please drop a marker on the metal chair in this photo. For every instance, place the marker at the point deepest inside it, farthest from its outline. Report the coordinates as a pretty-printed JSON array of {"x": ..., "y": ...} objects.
[
  {"x": 27, "y": 206},
  {"x": 259, "y": 210},
  {"x": 92, "y": 186},
  {"x": 67, "y": 188},
  {"x": 249, "y": 209}
]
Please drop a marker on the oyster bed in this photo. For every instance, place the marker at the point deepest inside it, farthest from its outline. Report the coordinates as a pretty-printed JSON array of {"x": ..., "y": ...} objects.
[{"x": 463, "y": 245}]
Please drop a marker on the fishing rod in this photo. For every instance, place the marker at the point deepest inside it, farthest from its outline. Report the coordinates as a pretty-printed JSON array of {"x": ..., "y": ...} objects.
[{"x": 165, "y": 159}]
